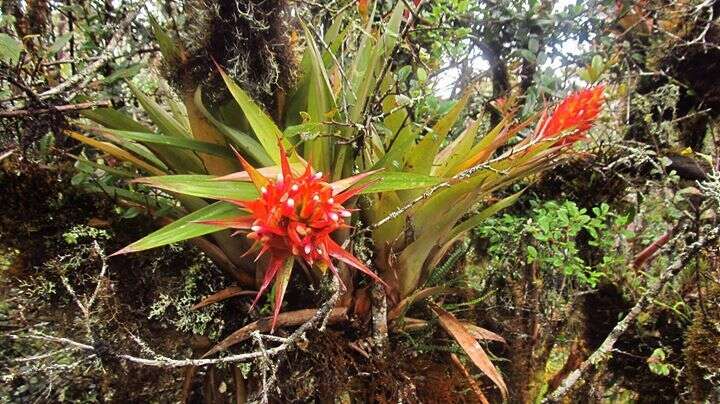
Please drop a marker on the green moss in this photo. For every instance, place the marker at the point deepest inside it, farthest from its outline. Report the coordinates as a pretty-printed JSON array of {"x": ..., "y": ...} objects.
[
  {"x": 175, "y": 306},
  {"x": 702, "y": 348}
]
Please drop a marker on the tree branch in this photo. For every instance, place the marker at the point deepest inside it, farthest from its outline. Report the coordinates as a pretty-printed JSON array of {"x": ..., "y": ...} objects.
[
  {"x": 603, "y": 353},
  {"x": 60, "y": 108},
  {"x": 164, "y": 362}
]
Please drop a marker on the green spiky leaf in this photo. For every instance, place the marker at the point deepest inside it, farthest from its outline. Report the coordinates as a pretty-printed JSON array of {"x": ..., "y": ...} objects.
[
  {"x": 203, "y": 186},
  {"x": 186, "y": 227}
]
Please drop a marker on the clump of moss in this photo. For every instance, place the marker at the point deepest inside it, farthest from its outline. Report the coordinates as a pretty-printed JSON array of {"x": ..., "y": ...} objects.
[
  {"x": 250, "y": 39},
  {"x": 175, "y": 301},
  {"x": 702, "y": 348}
]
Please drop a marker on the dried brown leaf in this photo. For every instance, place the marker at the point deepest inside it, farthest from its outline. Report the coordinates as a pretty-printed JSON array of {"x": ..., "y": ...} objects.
[
  {"x": 482, "y": 334},
  {"x": 470, "y": 345},
  {"x": 226, "y": 293},
  {"x": 474, "y": 387}
]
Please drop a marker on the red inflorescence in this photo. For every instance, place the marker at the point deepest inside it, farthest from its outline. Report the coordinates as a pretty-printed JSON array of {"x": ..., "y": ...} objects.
[
  {"x": 297, "y": 215},
  {"x": 577, "y": 112},
  {"x": 294, "y": 218}
]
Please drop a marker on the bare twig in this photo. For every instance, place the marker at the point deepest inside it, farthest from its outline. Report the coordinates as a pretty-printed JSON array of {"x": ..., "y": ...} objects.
[
  {"x": 286, "y": 319},
  {"x": 34, "y": 358},
  {"x": 159, "y": 360},
  {"x": 465, "y": 174},
  {"x": 162, "y": 361},
  {"x": 95, "y": 58},
  {"x": 86, "y": 307},
  {"x": 321, "y": 317},
  {"x": 6, "y": 154},
  {"x": 603, "y": 353},
  {"x": 265, "y": 365},
  {"x": 60, "y": 108},
  {"x": 101, "y": 276}
]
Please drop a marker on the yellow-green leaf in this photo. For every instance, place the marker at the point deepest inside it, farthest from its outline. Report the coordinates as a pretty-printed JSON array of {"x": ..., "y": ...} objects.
[
  {"x": 421, "y": 156},
  {"x": 179, "y": 160},
  {"x": 480, "y": 217},
  {"x": 168, "y": 48},
  {"x": 10, "y": 48},
  {"x": 160, "y": 117},
  {"x": 247, "y": 145},
  {"x": 319, "y": 104},
  {"x": 385, "y": 181},
  {"x": 158, "y": 139},
  {"x": 470, "y": 223},
  {"x": 116, "y": 152},
  {"x": 114, "y": 119},
  {"x": 265, "y": 129},
  {"x": 203, "y": 186},
  {"x": 202, "y": 130},
  {"x": 154, "y": 203},
  {"x": 186, "y": 227},
  {"x": 456, "y": 151},
  {"x": 412, "y": 260}
]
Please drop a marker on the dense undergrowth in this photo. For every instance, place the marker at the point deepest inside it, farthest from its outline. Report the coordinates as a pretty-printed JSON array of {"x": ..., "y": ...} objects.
[{"x": 528, "y": 172}]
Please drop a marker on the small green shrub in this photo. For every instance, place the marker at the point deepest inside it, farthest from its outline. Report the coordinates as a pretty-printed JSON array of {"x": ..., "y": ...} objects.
[
  {"x": 81, "y": 231},
  {"x": 549, "y": 237}
]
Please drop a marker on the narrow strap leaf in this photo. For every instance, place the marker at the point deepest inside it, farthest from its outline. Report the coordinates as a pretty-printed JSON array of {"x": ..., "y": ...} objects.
[
  {"x": 185, "y": 228},
  {"x": 116, "y": 152},
  {"x": 203, "y": 186}
]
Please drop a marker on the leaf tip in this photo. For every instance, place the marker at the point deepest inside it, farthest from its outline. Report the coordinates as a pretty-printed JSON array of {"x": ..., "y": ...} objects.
[{"x": 122, "y": 251}]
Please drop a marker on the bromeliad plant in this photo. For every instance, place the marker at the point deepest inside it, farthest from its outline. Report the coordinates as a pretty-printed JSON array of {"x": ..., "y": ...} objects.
[
  {"x": 294, "y": 217},
  {"x": 341, "y": 125}
]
